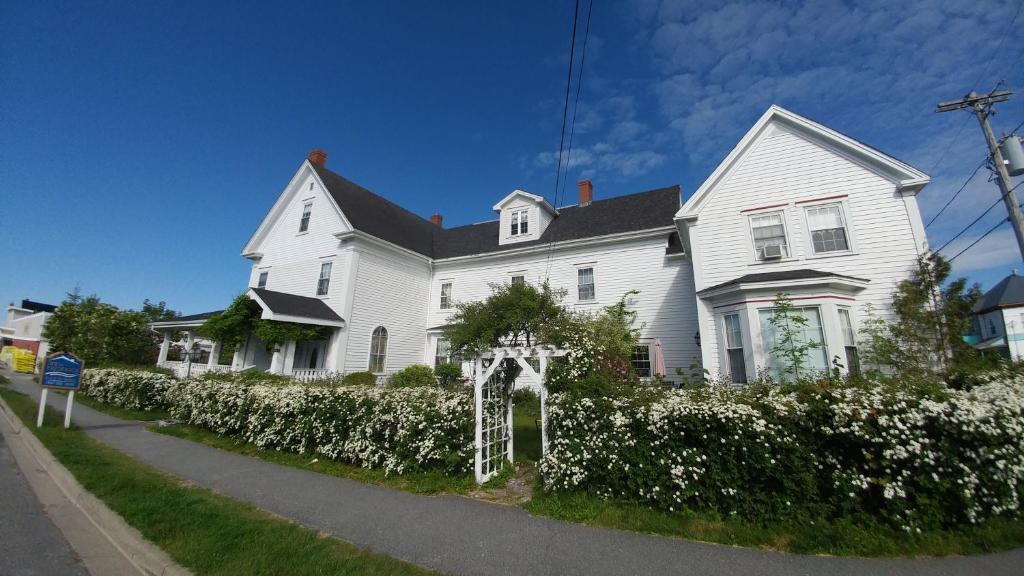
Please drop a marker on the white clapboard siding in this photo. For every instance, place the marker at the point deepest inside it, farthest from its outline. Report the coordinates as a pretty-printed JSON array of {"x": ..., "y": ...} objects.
[
  {"x": 391, "y": 290},
  {"x": 293, "y": 258},
  {"x": 666, "y": 305},
  {"x": 782, "y": 168}
]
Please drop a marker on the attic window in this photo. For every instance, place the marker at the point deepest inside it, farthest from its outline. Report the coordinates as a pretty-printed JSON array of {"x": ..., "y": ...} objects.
[
  {"x": 520, "y": 222},
  {"x": 304, "y": 222}
]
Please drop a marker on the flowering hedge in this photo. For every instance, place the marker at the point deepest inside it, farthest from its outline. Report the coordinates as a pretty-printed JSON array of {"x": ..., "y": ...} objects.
[
  {"x": 134, "y": 389},
  {"x": 916, "y": 458},
  {"x": 399, "y": 430}
]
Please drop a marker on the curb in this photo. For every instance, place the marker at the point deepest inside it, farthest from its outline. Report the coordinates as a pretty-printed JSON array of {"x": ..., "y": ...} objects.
[{"x": 139, "y": 552}]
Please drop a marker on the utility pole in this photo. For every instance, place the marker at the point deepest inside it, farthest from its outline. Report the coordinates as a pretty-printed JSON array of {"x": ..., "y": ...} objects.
[{"x": 982, "y": 107}]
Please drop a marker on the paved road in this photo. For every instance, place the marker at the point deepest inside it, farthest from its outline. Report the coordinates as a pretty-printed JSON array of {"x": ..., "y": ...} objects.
[
  {"x": 467, "y": 537},
  {"x": 29, "y": 542}
]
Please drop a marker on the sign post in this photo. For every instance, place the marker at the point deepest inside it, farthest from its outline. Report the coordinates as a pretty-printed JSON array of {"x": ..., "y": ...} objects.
[{"x": 61, "y": 371}]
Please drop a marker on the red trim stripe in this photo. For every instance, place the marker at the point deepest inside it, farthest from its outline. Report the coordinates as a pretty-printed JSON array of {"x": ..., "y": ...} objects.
[
  {"x": 823, "y": 199},
  {"x": 797, "y": 298},
  {"x": 761, "y": 208}
]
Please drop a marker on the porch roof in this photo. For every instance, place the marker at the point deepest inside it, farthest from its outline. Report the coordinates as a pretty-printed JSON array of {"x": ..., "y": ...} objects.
[
  {"x": 188, "y": 321},
  {"x": 802, "y": 276},
  {"x": 294, "y": 308}
]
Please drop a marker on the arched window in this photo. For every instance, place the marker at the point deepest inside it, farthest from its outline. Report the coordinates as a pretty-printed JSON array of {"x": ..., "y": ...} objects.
[{"x": 378, "y": 349}]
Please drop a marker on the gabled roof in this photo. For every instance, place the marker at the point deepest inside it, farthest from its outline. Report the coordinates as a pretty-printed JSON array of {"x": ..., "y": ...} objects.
[
  {"x": 907, "y": 178},
  {"x": 37, "y": 306},
  {"x": 524, "y": 194},
  {"x": 191, "y": 320},
  {"x": 1008, "y": 292},
  {"x": 378, "y": 216},
  {"x": 294, "y": 308},
  {"x": 632, "y": 213},
  {"x": 780, "y": 276}
]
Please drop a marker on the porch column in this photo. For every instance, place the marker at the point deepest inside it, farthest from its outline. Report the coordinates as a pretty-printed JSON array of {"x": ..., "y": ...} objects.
[
  {"x": 289, "y": 350},
  {"x": 277, "y": 360},
  {"x": 214, "y": 354},
  {"x": 165, "y": 346},
  {"x": 189, "y": 340}
]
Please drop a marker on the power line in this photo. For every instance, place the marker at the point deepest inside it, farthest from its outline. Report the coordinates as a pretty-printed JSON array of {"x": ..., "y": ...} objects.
[
  {"x": 565, "y": 105},
  {"x": 957, "y": 193},
  {"x": 980, "y": 238},
  {"x": 976, "y": 220},
  {"x": 572, "y": 130}
]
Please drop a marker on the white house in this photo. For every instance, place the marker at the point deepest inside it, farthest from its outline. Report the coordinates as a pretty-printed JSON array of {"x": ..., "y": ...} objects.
[
  {"x": 24, "y": 327},
  {"x": 999, "y": 319},
  {"x": 795, "y": 207}
]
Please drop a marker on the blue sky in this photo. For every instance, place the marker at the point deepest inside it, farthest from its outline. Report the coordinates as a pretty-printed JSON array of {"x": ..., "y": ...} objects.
[{"x": 142, "y": 142}]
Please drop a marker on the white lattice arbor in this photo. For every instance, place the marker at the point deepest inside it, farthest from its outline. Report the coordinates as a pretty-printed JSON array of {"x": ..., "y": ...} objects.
[{"x": 494, "y": 407}]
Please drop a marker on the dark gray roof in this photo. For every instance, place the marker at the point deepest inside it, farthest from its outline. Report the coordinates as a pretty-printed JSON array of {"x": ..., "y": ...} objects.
[
  {"x": 294, "y": 305},
  {"x": 37, "y": 306},
  {"x": 1008, "y": 292},
  {"x": 632, "y": 213},
  {"x": 193, "y": 317},
  {"x": 780, "y": 275},
  {"x": 378, "y": 216},
  {"x": 381, "y": 218}
]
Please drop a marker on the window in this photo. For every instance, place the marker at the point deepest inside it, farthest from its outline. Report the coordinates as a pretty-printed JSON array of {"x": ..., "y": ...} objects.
[
  {"x": 991, "y": 327},
  {"x": 769, "y": 230},
  {"x": 816, "y": 359},
  {"x": 378, "y": 350},
  {"x": 849, "y": 341},
  {"x": 262, "y": 283},
  {"x": 734, "y": 349},
  {"x": 446, "y": 296},
  {"x": 519, "y": 279},
  {"x": 520, "y": 223},
  {"x": 325, "y": 279},
  {"x": 442, "y": 355},
  {"x": 641, "y": 360},
  {"x": 828, "y": 228},
  {"x": 585, "y": 284},
  {"x": 304, "y": 222}
]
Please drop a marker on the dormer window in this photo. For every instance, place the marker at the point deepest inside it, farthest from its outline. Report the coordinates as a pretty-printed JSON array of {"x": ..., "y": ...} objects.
[
  {"x": 520, "y": 222},
  {"x": 304, "y": 222}
]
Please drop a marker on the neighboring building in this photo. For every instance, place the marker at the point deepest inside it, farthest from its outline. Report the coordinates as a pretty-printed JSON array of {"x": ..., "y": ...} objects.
[
  {"x": 998, "y": 324},
  {"x": 795, "y": 207},
  {"x": 24, "y": 327}
]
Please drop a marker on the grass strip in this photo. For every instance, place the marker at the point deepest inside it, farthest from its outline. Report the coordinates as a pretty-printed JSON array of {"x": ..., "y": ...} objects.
[
  {"x": 122, "y": 413},
  {"x": 415, "y": 482},
  {"x": 207, "y": 533},
  {"x": 842, "y": 537}
]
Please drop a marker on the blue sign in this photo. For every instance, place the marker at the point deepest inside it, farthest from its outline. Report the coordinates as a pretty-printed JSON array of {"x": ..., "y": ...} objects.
[{"x": 62, "y": 371}]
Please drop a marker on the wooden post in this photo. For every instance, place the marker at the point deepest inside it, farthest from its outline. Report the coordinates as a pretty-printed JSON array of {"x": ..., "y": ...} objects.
[
  {"x": 543, "y": 407},
  {"x": 478, "y": 464},
  {"x": 67, "y": 409},
  {"x": 42, "y": 408}
]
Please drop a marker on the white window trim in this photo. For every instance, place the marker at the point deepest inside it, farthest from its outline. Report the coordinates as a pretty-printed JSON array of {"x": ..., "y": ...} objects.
[
  {"x": 784, "y": 212},
  {"x": 851, "y": 239},
  {"x": 593, "y": 268},
  {"x": 745, "y": 342},
  {"x": 515, "y": 216},
  {"x": 514, "y": 275},
  {"x": 302, "y": 216},
  {"x": 319, "y": 277},
  {"x": 260, "y": 280},
  {"x": 649, "y": 344},
  {"x": 369, "y": 351},
  {"x": 826, "y": 326},
  {"x": 451, "y": 295}
]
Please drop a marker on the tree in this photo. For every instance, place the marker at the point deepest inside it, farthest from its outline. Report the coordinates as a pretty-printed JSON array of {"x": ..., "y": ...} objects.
[
  {"x": 513, "y": 315},
  {"x": 233, "y": 326},
  {"x": 791, "y": 344},
  {"x": 100, "y": 333},
  {"x": 932, "y": 315}
]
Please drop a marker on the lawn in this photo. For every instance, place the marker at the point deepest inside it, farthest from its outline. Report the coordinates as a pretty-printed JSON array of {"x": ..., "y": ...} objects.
[
  {"x": 416, "y": 482},
  {"x": 118, "y": 412},
  {"x": 846, "y": 537},
  {"x": 204, "y": 532},
  {"x": 526, "y": 431}
]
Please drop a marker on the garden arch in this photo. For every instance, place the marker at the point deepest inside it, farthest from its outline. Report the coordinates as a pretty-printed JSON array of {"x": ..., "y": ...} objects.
[{"x": 493, "y": 440}]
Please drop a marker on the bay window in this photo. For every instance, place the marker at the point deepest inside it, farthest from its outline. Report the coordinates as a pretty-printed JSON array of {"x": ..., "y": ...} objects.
[
  {"x": 810, "y": 331},
  {"x": 734, "y": 349}
]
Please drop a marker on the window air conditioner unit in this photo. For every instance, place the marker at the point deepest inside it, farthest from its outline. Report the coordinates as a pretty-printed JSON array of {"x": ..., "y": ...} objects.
[{"x": 771, "y": 252}]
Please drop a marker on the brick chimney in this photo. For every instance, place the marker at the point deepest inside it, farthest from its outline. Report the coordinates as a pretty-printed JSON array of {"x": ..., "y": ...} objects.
[
  {"x": 586, "y": 192},
  {"x": 435, "y": 219},
  {"x": 318, "y": 157}
]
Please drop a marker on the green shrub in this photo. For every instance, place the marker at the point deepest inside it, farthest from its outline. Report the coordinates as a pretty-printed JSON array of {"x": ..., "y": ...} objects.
[
  {"x": 448, "y": 374},
  {"x": 360, "y": 379},
  {"x": 523, "y": 396},
  {"x": 917, "y": 455},
  {"x": 414, "y": 376}
]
